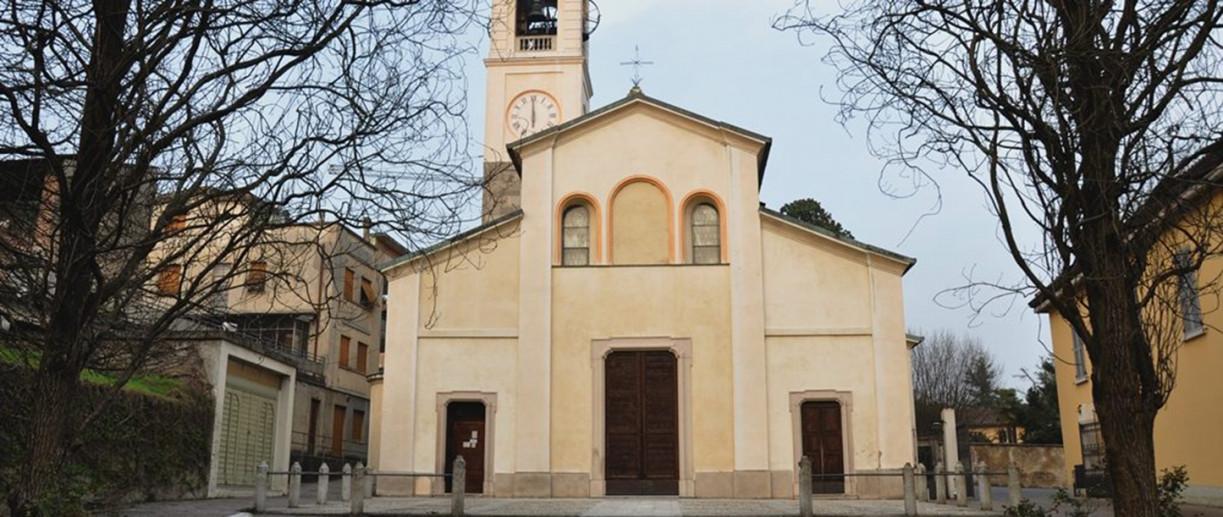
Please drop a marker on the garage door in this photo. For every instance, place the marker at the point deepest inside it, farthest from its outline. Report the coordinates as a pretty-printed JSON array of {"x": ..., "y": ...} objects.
[{"x": 248, "y": 425}]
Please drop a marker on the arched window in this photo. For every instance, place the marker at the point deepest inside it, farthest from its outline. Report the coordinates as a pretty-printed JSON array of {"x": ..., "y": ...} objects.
[
  {"x": 575, "y": 236},
  {"x": 706, "y": 235}
]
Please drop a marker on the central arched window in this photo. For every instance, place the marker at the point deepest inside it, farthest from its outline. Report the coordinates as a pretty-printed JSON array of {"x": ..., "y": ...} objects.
[
  {"x": 575, "y": 237},
  {"x": 706, "y": 234}
]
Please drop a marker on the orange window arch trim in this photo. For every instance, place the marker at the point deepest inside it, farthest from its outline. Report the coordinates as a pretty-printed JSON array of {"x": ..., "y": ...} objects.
[
  {"x": 596, "y": 226},
  {"x": 692, "y": 198},
  {"x": 666, "y": 192}
]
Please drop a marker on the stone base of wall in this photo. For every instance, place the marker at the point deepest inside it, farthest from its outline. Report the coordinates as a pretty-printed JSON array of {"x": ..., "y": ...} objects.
[
  {"x": 1040, "y": 466},
  {"x": 1203, "y": 495}
]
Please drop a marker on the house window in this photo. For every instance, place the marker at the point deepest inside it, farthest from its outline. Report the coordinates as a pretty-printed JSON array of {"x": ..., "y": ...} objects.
[
  {"x": 367, "y": 293},
  {"x": 1080, "y": 358},
  {"x": 1093, "y": 446},
  {"x": 257, "y": 276},
  {"x": 349, "y": 278},
  {"x": 345, "y": 344},
  {"x": 358, "y": 425},
  {"x": 170, "y": 280},
  {"x": 1189, "y": 296},
  {"x": 362, "y": 357},
  {"x": 706, "y": 235},
  {"x": 575, "y": 238},
  {"x": 177, "y": 224}
]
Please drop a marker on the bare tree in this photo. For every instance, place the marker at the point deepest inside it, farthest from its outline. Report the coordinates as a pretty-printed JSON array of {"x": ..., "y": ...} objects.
[
  {"x": 128, "y": 118},
  {"x": 949, "y": 371},
  {"x": 1095, "y": 123}
]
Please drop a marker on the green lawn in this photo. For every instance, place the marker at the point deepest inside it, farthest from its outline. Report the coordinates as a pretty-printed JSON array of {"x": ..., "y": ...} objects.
[{"x": 148, "y": 384}]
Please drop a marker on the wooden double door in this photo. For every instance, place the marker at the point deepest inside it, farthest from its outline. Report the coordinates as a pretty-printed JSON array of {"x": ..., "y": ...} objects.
[
  {"x": 642, "y": 423},
  {"x": 466, "y": 436},
  {"x": 823, "y": 443}
]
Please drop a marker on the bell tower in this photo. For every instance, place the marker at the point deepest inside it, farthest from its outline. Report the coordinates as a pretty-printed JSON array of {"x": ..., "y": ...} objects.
[{"x": 537, "y": 79}]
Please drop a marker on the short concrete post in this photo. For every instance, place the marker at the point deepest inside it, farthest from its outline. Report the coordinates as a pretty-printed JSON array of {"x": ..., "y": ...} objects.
[
  {"x": 357, "y": 503},
  {"x": 923, "y": 488},
  {"x": 910, "y": 491},
  {"x": 458, "y": 486},
  {"x": 346, "y": 484},
  {"x": 368, "y": 486},
  {"x": 295, "y": 485},
  {"x": 324, "y": 480},
  {"x": 261, "y": 487},
  {"x": 804, "y": 487},
  {"x": 940, "y": 484},
  {"x": 961, "y": 486},
  {"x": 985, "y": 494},
  {"x": 1012, "y": 485}
]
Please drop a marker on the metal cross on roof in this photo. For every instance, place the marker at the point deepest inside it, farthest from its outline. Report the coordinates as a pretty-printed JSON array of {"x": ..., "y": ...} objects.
[{"x": 636, "y": 63}]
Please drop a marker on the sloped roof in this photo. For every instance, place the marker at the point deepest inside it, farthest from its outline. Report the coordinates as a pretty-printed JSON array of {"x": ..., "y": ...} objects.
[
  {"x": 636, "y": 96},
  {"x": 387, "y": 266},
  {"x": 853, "y": 243}
]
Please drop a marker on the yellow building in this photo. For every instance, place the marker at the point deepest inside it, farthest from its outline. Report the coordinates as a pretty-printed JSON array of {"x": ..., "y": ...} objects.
[
  {"x": 1187, "y": 427},
  {"x": 630, "y": 319}
]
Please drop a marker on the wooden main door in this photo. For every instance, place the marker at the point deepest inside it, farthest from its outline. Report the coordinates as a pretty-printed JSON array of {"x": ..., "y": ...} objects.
[
  {"x": 465, "y": 436},
  {"x": 642, "y": 423},
  {"x": 822, "y": 442}
]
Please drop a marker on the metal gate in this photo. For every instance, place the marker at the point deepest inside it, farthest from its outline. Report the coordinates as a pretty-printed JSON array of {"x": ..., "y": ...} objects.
[{"x": 248, "y": 424}]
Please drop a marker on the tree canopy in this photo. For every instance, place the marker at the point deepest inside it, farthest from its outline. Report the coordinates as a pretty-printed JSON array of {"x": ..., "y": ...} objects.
[{"x": 810, "y": 211}]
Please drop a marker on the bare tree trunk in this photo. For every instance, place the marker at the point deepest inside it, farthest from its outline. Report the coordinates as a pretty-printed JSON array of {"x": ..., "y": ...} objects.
[{"x": 50, "y": 407}]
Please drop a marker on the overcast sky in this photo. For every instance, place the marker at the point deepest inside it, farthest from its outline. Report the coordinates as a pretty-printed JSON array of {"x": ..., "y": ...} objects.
[{"x": 722, "y": 58}]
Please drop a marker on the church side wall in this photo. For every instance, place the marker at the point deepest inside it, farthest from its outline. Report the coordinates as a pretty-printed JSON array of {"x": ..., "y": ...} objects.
[{"x": 834, "y": 328}]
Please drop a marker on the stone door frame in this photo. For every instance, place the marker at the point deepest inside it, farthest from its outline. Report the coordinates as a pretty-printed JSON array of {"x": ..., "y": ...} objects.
[
  {"x": 490, "y": 426},
  {"x": 599, "y": 350},
  {"x": 845, "y": 400}
]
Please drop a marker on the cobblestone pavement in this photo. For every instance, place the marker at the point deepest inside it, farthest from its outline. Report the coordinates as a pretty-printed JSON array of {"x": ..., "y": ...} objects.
[{"x": 616, "y": 507}]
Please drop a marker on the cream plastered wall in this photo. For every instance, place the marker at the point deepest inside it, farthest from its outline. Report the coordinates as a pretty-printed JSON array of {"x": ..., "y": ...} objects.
[
  {"x": 451, "y": 326},
  {"x": 640, "y": 225},
  {"x": 562, "y": 78},
  {"x": 644, "y": 301},
  {"x": 835, "y": 324}
]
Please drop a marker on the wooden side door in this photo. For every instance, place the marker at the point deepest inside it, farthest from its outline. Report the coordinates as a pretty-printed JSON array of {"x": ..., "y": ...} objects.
[
  {"x": 337, "y": 431},
  {"x": 642, "y": 423},
  {"x": 823, "y": 443},
  {"x": 465, "y": 435}
]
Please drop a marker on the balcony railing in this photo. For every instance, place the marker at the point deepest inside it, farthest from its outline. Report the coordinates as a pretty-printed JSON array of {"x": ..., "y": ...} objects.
[{"x": 535, "y": 43}]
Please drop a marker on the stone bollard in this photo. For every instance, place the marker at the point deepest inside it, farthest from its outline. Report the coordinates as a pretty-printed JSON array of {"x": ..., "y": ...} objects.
[
  {"x": 923, "y": 488},
  {"x": 910, "y": 491},
  {"x": 458, "y": 486},
  {"x": 940, "y": 484},
  {"x": 368, "y": 487},
  {"x": 1012, "y": 485},
  {"x": 295, "y": 485},
  {"x": 357, "y": 503},
  {"x": 805, "y": 507},
  {"x": 985, "y": 493},
  {"x": 961, "y": 486},
  {"x": 324, "y": 480},
  {"x": 261, "y": 487},
  {"x": 346, "y": 484}
]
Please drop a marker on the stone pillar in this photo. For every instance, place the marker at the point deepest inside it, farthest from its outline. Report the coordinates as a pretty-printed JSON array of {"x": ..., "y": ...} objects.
[
  {"x": 261, "y": 487},
  {"x": 923, "y": 489},
  {"x": 951, "y": 445},
  {"x": 295, "y": 485},
  {"x": 961, "y": 486},
  {"x": 458, "y": 487},
  {"x": 324, "y": 480},
  {"x": 804, "y": 487},
  {"x": 1013, "y": 488},
  {"x": 346, "y": 484},
  {"x": 984, "y": 494},
  {"x": 910, "y": 487},
  {"x": 357, "y": 503},
  {"x": 940, "y": 484}
]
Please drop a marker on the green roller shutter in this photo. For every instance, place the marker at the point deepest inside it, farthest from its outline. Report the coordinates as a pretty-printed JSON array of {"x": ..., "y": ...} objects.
[{"x": 248, "y": 425}]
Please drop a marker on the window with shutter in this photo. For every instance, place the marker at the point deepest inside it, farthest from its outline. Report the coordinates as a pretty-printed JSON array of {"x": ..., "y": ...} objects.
[
  {"x": 256, "y": 276},
  {"x": 367, "y": 293},
  {"x": 345, "y": 343},
  {"x": 170, "y": 280},
  {"x": 362, "y": 357},
  {"x": 349, "y": 277}
]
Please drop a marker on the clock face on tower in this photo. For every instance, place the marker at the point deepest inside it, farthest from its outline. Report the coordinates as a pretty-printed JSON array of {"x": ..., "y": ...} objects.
[{"x": 532, "y": 112}]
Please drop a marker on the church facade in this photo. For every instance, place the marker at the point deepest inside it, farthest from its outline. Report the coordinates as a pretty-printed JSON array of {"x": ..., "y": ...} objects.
[{"x": 629, "y": 319}]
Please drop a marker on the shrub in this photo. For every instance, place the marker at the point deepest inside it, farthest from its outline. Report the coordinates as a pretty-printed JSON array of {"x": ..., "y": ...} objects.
[{"x": 1171, "y": 484}]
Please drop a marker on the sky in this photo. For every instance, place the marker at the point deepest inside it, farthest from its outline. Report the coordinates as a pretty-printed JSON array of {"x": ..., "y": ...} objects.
[{"x": 723, "y": 59}]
